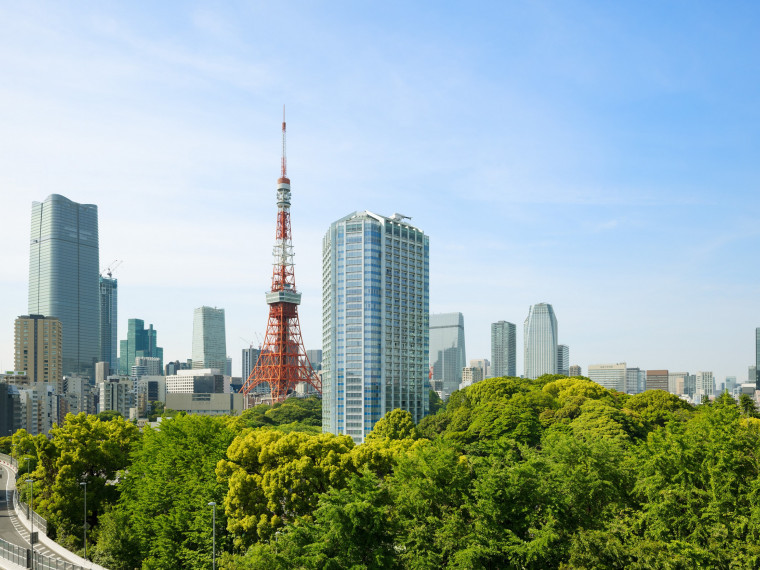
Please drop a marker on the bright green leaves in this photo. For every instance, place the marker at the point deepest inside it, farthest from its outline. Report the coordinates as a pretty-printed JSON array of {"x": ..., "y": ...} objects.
[{"x": 274, "y": 477}]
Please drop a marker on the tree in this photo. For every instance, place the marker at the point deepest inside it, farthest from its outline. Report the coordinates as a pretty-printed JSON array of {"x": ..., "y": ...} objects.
[
  {"x": 396, "y": 424},
  {"x": 162, "y": 519},
  {"x": 83, "y": 449},
  {"x": 435, "y": 404},
  {"x": 108, "y": 415},
  {"x": 657, "y": 407},
  {"x": 275, "y": 477},
  {"x": 429, "y": 488},
  {"x": 352, "y": 527},
  {"x": 747, "y": 404}
]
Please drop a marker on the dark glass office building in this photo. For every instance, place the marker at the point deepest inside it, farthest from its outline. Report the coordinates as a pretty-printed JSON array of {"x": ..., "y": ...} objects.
[{"x": 63, "y": 277}]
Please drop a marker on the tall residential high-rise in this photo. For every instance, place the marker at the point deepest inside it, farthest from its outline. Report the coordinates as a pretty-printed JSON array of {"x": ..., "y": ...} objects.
[
  {"x": 540, "y": 340},
  {"x": 375, "y": 335},
  {"x": 504, "y": 349},
  {"x": 611, "y": 376},
  {"x": 63, "y": 276},
  {"x": 108, "y": 314},
  {"x": 209, "y": 339},
  {"x": 38, "y": 343},
  {"x": 563, "y": 359},
  {"x": 447, "y": 350},
  {"x": 141, "y": 342}
]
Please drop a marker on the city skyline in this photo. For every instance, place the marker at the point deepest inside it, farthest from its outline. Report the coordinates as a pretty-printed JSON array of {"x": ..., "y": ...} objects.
[{"x": 165, "y": 122}]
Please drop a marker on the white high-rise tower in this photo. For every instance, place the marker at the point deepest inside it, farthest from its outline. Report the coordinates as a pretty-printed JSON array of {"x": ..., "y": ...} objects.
[
  {"x": 540, "y": 341},
  {"x": 375, "y": 305}
]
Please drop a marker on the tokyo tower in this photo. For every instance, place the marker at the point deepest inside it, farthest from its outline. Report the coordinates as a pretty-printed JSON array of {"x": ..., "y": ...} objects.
[{"x": 283, "y": 362}]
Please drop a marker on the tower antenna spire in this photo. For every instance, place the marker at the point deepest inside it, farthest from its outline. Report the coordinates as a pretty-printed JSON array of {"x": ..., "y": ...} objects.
[{"x": 284, "y": 156}]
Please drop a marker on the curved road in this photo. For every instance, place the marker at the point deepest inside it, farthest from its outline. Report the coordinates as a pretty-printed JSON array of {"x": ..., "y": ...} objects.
[{"x": 11, "y": 529}]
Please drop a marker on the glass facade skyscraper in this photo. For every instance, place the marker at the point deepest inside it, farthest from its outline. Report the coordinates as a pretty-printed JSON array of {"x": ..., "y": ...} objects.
[
  {"x": 540, "y": 338},
  {"x": 209, "y": 339},
  {"x": 63, "y": 276},
  {"x": 447, "y": 350},
  {"x": 503, "y": 349},
  {"x": 375, "y": 303},
  {"x": 140, "y": 343},
  {"x": 108, "y": 313}
]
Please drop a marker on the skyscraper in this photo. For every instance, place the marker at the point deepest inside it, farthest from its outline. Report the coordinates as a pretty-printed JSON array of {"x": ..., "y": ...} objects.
[
  {"x": 38, "y": 349},
  {"x": 504, "y": 349},
  {"x": 447, "y": 350},
  {"x": 63, "y": 276},
  {"x": 563, "y": 359},
  {"x": 141, "y": 342},
  {"x": 540, "y": 341},
  {"x": 375, "y": 337},
  {"x": 108, "y": 313},
  {"x": 209, "y": 339}
]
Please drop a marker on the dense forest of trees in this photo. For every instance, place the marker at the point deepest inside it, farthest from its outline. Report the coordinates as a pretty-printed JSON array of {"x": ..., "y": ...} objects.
[{"x": 511, "y": 473}]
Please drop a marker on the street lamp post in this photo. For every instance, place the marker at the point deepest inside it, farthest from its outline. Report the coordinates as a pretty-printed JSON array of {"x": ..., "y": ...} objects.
[
  {"x": 31, "y": 518},
  {"x": 84, "y": 525},
  {"x": 212, "y": 504}
]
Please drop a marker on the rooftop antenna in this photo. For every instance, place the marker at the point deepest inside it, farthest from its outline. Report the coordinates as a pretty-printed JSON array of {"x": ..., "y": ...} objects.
[{"x": 284, "y": 156}]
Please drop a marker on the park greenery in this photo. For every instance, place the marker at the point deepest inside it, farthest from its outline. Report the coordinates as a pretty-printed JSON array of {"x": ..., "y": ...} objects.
[{"x": 510, "y": 473}]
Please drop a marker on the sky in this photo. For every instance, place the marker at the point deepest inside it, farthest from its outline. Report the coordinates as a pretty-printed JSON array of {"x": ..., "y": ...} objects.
[{"x": 598, "y": 156}]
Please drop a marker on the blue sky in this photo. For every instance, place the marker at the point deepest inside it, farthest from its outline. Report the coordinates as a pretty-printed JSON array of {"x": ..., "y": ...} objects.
[{"x": 600, "y": 156}]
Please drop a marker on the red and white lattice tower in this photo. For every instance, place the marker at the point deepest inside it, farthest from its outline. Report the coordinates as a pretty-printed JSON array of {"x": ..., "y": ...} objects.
[{"x": 283, "y": 362}]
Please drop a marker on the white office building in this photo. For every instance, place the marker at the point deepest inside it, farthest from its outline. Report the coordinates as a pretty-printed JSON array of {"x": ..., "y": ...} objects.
[
  {"x": 705, "y": 385},
  {"x": 197, "y": 381},
  {"x": 611, "y": 376}
]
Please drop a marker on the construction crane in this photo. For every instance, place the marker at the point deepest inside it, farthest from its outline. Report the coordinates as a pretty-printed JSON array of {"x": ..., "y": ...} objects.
[
  {"x": 112, "y": 267},
  {"x": 250, "y": 343}
]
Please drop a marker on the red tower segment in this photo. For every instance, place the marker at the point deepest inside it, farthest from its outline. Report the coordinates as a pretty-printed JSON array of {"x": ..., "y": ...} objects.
[{"x": 283, "y": 362}]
